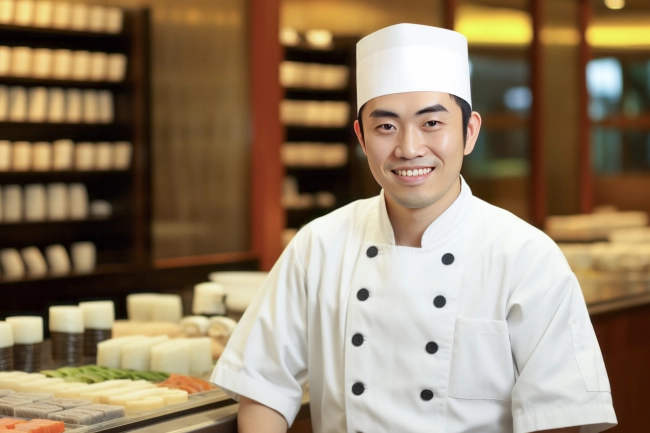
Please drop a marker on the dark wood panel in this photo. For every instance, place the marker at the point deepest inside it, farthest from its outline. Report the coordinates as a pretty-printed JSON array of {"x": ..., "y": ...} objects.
[
  {"x": 626, "y": 192},
  {"x": 74, "y": 131},
  {"x": 58, "y": 38},
  {"x": 317, "y": 94},
  {"x": 46, "y": 82},
  {"x": 300, "y": 133},
  {"x": 25, "y": 177}
]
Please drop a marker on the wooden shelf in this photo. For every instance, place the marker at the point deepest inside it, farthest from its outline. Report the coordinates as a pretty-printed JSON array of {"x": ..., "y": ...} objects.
[
  {"x": 304, "y": 133},
  {"x": 51, "y": 82},
  {"x": 317, "y": 94},
  {"x": 622, "y": 122},
  {"x": 15, "y": 131},
  {"x": 37, "y": 37},
  {"x": 101, "y": 270},
  {"x": 318, "y": 169},
  {"x": 24, "y": 177},
  {"x": 335, "y": 56}
]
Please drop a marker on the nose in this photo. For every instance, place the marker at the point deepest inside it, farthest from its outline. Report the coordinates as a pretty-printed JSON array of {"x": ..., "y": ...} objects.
[{"x": 411, "y": 144}]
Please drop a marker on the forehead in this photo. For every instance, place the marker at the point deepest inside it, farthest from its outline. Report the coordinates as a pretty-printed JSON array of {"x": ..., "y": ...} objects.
[{"x": 410, "y": 103}]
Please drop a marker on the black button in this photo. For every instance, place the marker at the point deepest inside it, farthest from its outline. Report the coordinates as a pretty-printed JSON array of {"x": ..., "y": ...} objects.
[
  {"x": 363, "y": 294},
  {"x": 358, "y": 388},
  {"x": 439, "y": 301},
  {"x": 426, "y": 395},
  {"x": 357, "y": 339},
  {"x": 448, "y": 259},
  {"x": 372, "y": 252},
  {"x": 431, "y": 347}
]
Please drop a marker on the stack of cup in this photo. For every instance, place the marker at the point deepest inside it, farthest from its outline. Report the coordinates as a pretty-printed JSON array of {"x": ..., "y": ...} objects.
[
  {"x": 6, "y": 347},
  {"x": 67, "y": 335},
  {"x": 28, "y": 340},
  {"x": 98, "y": 322}
]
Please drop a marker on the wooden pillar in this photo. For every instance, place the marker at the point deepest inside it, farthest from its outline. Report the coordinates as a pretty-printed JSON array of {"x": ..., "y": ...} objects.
[
  {"x": 584, "y": 137},
  {"x": 450, "y": 13},
  {"x": 268, "y": 218},
  {"x": 537, "y": 160}
]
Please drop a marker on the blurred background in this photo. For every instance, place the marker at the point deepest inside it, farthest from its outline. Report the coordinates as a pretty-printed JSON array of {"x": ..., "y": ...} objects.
[{"x": 144, "y": 148}]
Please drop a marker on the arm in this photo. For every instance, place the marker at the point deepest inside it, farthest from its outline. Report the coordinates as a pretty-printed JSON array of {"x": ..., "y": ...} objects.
[{"x": 255, "y": 417}]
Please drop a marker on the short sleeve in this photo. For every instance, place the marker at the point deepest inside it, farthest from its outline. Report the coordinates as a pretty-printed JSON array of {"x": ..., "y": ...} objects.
[
  {"x": 562, "y": 380},
  {"x": 266, "y": 357}
]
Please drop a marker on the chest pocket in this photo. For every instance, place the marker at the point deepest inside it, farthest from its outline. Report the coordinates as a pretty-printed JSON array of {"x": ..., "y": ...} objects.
[{"x": 482, "y": 366}]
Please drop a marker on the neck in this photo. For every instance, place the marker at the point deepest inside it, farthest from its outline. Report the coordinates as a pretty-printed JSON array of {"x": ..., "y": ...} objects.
[{"x": 410, "y": 224}]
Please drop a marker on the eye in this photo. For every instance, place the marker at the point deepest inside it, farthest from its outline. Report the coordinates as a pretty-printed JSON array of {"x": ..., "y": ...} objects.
[
  {"x": 386, "y": 127},
  {"x": 431, "y": 123}
]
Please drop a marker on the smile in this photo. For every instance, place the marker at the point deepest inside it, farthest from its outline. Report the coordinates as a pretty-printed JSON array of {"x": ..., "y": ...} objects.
[{"x": 413, "y": 173}]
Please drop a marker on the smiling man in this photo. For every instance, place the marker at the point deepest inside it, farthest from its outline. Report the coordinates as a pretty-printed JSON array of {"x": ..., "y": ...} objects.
[{"x": 424, "y": 309}]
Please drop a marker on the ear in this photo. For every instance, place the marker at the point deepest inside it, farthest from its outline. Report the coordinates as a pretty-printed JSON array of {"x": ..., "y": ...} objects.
[
  {"x": 473, "y": 128},
  {"x": 357, "y": 130}
]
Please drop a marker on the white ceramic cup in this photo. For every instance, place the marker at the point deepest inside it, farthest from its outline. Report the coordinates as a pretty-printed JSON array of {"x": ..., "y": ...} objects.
[
  {"x": 63, "y": 155},
  {"x": 42, "y": 59},
  {"x": 57, "y": 201},
  {"x": 57, "y": 259},
  {"x": 21, "y": 61},
  {"x": 106, "y": 106},
  {"x": 84, "y": 257},
  {"x": 21, "y": 156},
  {"x": 56, "y": 105},
  {"x": 114, "y": 20},
  {"x": 24, "y": 12},
  {"x": 43, "y": 13},
  {"x": 35, "y": 203},
  {"x": 2, "y": 204},
  {"x": 37, "y": 104},
  {"x": 80, "y": 65},
  {"x": 79, "y": 16},
  {"x": 78, "y": 198},
  {"x": 104, "y": 156},
  {"x": 41, "y": 156},
  {"x": 4, "y": 103},
  {"x": 61, "y": 64},
  {"x": 5, "y": 155},
  {"x": 97, "y": 18},
  {"x": 17, "y": 104},
  {"x": 84, "y": 156},
  {"x": 12, "y": 264},
  {"x": 91, "y": 106},
  {"x": 33, "y": 258},
  {"x": 122, "y": 155},
  {"x": 13, "y": 203},
  {"x": 5, "y": 60},
  {"x": 7, "y": 11},
  {"x": 73, "y": 106},
  {"x": 98, "y": 66},
  {"x": 116, "y": 67},
  {"x": 61, "y": 15},
  {"x": 101, "y": 209}
]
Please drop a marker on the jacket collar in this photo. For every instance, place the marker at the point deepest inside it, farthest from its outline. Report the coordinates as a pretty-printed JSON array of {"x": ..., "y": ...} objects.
[{"x": 438, "y": 232}]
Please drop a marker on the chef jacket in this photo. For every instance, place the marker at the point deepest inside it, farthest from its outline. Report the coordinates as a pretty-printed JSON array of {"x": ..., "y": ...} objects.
[{"x": 484, "y": 329}]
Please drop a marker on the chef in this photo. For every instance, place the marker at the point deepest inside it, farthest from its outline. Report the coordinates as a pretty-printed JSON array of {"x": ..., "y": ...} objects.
[{"x": 425, "y": 309}]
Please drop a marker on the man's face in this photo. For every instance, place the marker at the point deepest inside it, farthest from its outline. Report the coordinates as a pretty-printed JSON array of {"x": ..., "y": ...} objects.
[{"x": 414, "y": 144}]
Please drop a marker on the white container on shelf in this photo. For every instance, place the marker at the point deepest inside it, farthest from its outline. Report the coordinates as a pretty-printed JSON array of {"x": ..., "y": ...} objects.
[
  {"x": 139, "y": 306},
  {"x": 80, "y": 65},
  {"x": 84, "y": 257},
  {"x": 17, "y": 104},
  {"x": 4, "y": 103},
  {"x": 27, "y": 329},
  {"x": 12, "y": 264},
  {"x": 84, "y": 157},
  {"x": 78, "y": 198},
  {"x": 35, "y": 202},
  {"x": 43, "y": 13},
  {"x": 166, "y": 308},
  {"x": 114, "y": 20},
  {"x": 240, "y": 287},
  {"x": 24, "y": 13},
  {"x": 7, "y": 11},
  {"x": 116, "y": 67},
  {"x": 122, "y": 153},
  {"x": 73, "y": 106},
  {"x": 42, "y": 59},
  {"x": 21, "y": 61},
  {"x": 98, "y": 66},
  {"x": 79, "y": 16},
  {"x": 104, "y": 153},
  {"x": 68, "y": 319},
  {"x": 5, "y": 155},
  {"x": 57, "y": 201},
  {"x": 57, "y": 259},
  {"x": 35, "y": 261},
  {"x": 56, "y": 110},
  {"x": 5, "y": 60},
  {"x": 61, "y": 64},
  {"x": 106, "y": 110},
  {"x": 37, "y": 104},
  {"x": 98, "y": 314},
  {"x": 41, "y": 156},
  {"x": 61, "y": 15},
  {"x": 100, "y": 209},
  {"x": 91, "y": 106},
  {"x": 97, "y": 18},
  {"x": 13, "y": 203},
  {"x": 21, "y": 156},
  {"x": 1, "y": 204},
  {"x": 63, "y": 155}
]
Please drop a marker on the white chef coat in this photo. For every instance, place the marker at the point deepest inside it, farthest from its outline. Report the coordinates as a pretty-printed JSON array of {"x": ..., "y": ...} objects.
[{"x": 483, "y": 329}]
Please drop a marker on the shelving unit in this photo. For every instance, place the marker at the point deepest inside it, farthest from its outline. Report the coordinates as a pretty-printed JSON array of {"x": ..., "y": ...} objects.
[
  {"x": 123, "y": 240},
  {"x": 337, "y": 180}
]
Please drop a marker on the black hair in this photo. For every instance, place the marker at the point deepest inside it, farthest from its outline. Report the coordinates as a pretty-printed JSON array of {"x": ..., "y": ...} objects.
[{"x": 464, "y": 108}]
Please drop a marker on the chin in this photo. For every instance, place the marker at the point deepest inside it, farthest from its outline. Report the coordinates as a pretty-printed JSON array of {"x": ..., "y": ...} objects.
[{"x": 415, "y": 201}]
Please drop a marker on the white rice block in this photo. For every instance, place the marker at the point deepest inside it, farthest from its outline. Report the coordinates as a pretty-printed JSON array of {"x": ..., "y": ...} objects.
[
  {"x": 62, "y": 390},
  {"x": 146, "y": 403},
  {"x": 175, "y": 396},
  {"x": 101, "y": 397},
  {"x": 137, "y": 354},
  {"x": 109, "y": 352},
  {"x": 37, "y": 385},
  {"x": 120, "y": 400},
  {"x": 200, "y": 355},
  {"x": 171, "y": 357},
  {"x": 12, "y": 382},
  {"x": 96, "y": 387}
]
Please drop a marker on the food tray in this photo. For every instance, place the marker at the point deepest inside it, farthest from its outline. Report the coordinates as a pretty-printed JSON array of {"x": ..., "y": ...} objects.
[{"x": 69, "y": 428}]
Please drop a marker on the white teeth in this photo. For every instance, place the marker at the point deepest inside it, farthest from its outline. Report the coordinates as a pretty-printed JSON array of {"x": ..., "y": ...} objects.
[{"x": 418, "y": 172}]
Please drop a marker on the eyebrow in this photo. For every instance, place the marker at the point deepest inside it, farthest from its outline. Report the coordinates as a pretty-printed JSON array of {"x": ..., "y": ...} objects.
[{"x": 431, "y": 109}]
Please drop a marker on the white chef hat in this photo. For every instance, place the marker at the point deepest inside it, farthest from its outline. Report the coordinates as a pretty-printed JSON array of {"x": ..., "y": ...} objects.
[{"x": 412, "y": 58}]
